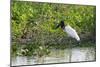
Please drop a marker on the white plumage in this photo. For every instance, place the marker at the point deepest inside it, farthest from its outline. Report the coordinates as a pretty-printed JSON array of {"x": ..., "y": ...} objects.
[{"x": 71, "y": 32}]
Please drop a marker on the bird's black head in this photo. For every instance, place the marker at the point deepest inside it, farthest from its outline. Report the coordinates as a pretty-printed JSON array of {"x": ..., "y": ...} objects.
[{"x": 61, "y": 24}]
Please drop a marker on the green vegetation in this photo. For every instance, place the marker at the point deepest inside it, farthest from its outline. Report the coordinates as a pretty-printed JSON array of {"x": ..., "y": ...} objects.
[{"x": 33, "y": 26}]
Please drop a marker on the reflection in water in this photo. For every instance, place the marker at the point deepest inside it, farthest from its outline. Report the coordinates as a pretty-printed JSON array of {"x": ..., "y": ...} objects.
[{"x": 57, "y": 56}]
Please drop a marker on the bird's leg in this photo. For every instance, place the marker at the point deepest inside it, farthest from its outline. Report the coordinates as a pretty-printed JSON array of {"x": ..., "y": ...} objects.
[{"x": 70, "y": 50}]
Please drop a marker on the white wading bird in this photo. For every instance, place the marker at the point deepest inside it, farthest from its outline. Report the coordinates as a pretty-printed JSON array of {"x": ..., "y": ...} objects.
[{"x": 69, "y": 30}]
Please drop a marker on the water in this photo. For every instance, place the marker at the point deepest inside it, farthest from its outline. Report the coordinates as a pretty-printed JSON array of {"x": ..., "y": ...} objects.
[{"x": 57, "y": 56}]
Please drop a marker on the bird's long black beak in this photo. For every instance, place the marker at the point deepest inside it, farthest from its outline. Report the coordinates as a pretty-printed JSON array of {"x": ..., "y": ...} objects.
[{"x": 60, "y": 24}]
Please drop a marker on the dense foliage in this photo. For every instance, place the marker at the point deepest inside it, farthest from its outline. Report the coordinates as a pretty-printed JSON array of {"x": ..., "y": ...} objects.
[{"x": 33, "y": 26}]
